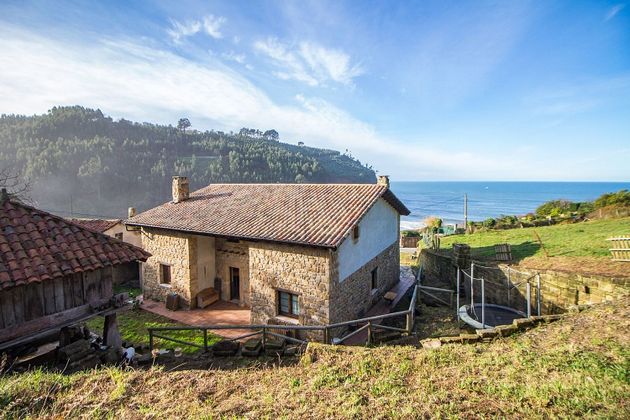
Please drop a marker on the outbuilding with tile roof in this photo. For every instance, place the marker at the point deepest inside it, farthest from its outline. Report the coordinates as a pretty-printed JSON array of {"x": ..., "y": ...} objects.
[{"x": 53, "y": 271}]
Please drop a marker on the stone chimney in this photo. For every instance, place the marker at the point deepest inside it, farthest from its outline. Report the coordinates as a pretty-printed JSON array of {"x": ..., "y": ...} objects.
[
  {"x": 4, "y": 195},
  {"x": 181, "y": 190},
  {"x": 383, "y": 180},
  {"x": 131, "y": 211}
]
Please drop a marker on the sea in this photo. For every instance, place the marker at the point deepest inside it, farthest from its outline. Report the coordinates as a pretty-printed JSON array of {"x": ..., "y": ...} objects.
[{"x": 489, "y": 199}]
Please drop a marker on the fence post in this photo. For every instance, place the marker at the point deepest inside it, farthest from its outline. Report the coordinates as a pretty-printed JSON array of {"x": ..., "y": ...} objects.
[
  {"x": 369, "y": 333},
  {"x": 509, "y": 301},
  {"x": 538, "y": 294},
  {"x": 457, "y": 300},
  {"x": 483, "y": 303},
  {"x": 264, "y": 337},
  {"x": 529, "y": 299},
  {"x": 205, "y": 341},
  {"x": 326, "y": 335}
]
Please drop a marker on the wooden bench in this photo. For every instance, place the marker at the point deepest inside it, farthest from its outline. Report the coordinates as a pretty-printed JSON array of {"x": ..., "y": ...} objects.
[{"x": 207, "y": 297}]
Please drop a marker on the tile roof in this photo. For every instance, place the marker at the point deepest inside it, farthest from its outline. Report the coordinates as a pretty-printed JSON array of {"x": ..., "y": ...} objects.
[
  {"x": 37, "y": 246},
  {"x": 308, "y": 214},
  {"x": 99, "y": 225}
]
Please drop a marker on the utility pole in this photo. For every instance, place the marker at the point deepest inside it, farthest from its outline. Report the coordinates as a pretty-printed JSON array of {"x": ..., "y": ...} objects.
[{"x": 466, "y": 212}]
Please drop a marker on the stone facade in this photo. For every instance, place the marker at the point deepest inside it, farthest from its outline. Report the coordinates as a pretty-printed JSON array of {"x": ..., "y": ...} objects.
[
  {"x": 233, "y": 254},
  {"x": 304, "y": 271},
  {"x": 505, "y": 286},
  {"x": 353, "y": 296},
  {"x": 264, "y": 269},
  {"x": 178, "y": 250}
]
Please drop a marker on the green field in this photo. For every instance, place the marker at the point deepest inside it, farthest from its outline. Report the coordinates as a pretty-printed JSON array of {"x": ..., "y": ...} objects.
[
  {"x": 585, "y": 239},
  {"x": 133, "y": 326}
]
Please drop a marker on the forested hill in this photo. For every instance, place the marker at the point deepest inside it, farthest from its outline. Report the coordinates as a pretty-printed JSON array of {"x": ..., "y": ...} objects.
[{"x": 78, "y": 158}]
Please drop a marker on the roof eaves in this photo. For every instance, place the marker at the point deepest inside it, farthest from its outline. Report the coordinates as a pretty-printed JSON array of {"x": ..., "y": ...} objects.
[{"x": 239, "y": 237}]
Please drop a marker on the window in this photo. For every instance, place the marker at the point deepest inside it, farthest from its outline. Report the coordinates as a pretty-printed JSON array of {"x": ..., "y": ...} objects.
[
  {"x": 118, "y": 236},
  {"x": 165, "y": 274},
  {"x": 288, "y": 304},
  {"x": 355, "y": 233},
  {"x": 375, "y": 279}
]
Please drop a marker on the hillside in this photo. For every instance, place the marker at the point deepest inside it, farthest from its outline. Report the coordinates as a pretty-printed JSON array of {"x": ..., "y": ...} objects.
[
  {"x": 579, "y": 247},
  {"x": 79, "y": 158},
  {"x": 574, "y": 367}
]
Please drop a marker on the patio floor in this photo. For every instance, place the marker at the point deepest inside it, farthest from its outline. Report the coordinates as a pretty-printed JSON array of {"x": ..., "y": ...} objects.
[{"x": 219, "y": 313}]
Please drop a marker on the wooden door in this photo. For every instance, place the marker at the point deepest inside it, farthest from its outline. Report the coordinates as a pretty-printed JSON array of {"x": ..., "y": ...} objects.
[{"x": 235, "y": 284}]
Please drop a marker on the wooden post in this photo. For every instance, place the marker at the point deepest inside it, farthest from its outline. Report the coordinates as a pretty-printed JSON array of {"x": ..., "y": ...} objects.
[
  {"x": 205, "y": 341},
  {"x": 465, "y": 213},
  {"x": 326, "y": 335},
  {"x": 264, "y": 337},
  {"x": 369, "y": 333}
]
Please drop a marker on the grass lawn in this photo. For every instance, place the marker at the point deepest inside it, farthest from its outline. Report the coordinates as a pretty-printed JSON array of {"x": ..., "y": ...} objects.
[
  {"x": 133, "y": 328},
  {"x": 579, "y": 246},
  {"x": 576, "y": 367}
]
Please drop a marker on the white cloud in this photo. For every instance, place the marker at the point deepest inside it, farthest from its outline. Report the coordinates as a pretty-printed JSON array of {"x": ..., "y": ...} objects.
[
  {"x": 613, "y": 11},
  {"x": 308, "y": 62},
  {"x": 210, "y": 24},
  {"x": 232, "y": 56},
  {"x": 129, "y": 80}
]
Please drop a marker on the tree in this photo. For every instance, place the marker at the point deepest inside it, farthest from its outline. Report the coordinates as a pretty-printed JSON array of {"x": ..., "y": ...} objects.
[
  {"x": 183, "y": 124},
  {"x": 16, "y": 187},
  {"x": 271, "y": 135}
]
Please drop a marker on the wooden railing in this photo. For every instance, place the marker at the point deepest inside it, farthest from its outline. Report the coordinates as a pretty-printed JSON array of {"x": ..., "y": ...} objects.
[{"x": 368, "y": 324}]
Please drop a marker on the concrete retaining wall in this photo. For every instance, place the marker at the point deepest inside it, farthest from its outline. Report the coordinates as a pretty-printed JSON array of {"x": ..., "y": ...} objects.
[{"x": 506, "y": 286}]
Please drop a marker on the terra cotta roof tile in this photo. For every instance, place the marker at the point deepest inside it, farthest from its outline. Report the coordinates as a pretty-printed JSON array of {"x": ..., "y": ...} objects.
[
  {"x": 309, "y": 214},
  {"x": 37, "y": 246}
]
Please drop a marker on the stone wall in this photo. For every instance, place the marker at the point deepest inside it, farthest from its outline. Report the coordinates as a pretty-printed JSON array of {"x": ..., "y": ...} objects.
[
  {"x": 303, "y": 271},
  {"x": 507, "y": 286},
  {"x": 353, "y": 297},
  {"x": 233, "y": 254},
  {"x": 178, "y": 250}
]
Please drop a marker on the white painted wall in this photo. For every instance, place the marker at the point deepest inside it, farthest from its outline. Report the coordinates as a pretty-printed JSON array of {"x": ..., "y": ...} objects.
[
  {"x": 378, "y": 229},
  {"x": 206, "y": 262},
  {"x": 131, "y": 237}
]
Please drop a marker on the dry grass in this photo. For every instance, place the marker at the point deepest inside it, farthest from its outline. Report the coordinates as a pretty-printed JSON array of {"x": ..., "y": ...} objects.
[{"x": 576, "y": 367}]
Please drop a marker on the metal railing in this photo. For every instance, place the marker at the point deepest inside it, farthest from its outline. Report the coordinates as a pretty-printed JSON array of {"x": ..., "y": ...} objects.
[{"x": 265, "y": 331}]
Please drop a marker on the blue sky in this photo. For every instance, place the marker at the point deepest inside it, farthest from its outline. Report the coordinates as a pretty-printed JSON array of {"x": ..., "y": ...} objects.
[{"x": 512, "y": 90}]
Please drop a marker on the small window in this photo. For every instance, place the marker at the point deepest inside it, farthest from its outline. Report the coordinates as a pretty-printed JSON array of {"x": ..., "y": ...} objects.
[
  {"x": 165, "y": 274},
  {"x": 375, "y": 279},
  {"x": 288, "y": 304},
  {"x": 355, "y": 233},
  {"x": 118, "y": 236}
]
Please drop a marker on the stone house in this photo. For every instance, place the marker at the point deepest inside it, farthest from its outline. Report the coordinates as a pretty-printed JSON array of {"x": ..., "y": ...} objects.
[{"x": 292, "y": 253}]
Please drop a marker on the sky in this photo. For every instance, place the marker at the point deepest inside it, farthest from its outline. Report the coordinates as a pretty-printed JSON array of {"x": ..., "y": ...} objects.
[{"x": 420, "y": 90}]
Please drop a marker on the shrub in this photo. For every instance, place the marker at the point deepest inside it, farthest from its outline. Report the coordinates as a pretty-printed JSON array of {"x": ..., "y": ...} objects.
[
  {"x": 489, "y": 223},
  {"x": 433, "y": 222},
  {"x": 410, "y": 234},
  {"x": 620, "y": 198},
  {"x": 554, "y": 208}
]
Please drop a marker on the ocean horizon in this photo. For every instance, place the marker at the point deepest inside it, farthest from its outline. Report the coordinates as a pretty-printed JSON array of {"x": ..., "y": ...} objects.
[{"x": 445, "y": 199}]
